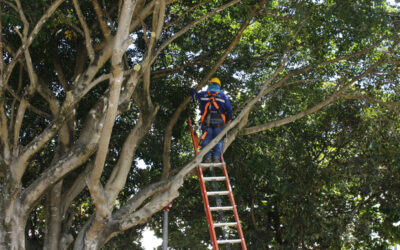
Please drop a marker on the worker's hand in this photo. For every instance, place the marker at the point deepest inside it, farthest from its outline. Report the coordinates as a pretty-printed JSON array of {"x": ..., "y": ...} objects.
[{"x": 192, "y": 91}]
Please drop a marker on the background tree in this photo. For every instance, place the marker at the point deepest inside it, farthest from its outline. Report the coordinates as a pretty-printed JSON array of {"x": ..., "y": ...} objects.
[{"x": 88, "y": 88}]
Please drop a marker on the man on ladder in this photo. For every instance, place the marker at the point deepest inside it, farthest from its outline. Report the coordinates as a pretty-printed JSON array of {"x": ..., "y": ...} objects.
[{"x": 216, "y": 111}]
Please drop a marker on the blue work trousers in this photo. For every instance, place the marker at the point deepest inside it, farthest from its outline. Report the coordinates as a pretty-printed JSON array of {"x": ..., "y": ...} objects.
[{"x": 212, "y": 132}]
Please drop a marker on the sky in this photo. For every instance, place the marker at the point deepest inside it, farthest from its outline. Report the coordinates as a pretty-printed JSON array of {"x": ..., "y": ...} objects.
[{"x": 150, "y": 241}]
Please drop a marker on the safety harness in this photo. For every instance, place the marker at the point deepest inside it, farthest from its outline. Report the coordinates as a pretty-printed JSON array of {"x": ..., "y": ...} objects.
[{"x": 212, "y": 100}]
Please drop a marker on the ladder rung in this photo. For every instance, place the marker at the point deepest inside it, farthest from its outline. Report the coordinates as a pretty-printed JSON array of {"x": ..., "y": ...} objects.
[
  {"x": 227, "y": 224},
  {"x": 229, "y": 241},
  {"x": 207, "y": 165},
  {"x": 218, "y": 193},
  {"x": 214, "y": 178},
  {"x": 221, "y": 208}
]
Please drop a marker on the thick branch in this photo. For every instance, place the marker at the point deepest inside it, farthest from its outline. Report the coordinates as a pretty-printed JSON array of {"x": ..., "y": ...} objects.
[
  {"x": 163, "y": 192},
  {"x": 81, "y": 86},
  {"x": 53, "y": 217},
  {"x": 77, "y": 156},
  {"x": 7, "y": 73},
  {"x": 30, "y": 107},
  {"x": 115, "y": 87},
  {"x": 88, "y": 141},
  {"x": 99, "y": 196},
  {"x": 120, "y": 172}
]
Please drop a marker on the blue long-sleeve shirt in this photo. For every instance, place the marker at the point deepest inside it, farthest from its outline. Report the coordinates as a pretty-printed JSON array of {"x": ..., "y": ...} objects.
[{"x": 222, "y": 100}]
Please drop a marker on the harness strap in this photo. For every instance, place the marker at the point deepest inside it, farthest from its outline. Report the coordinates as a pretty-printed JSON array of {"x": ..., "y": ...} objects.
[
  {"x": 205, "y": 112},
  {"x": 203, "y": 136},
  {"x": 211, "y": 99}
]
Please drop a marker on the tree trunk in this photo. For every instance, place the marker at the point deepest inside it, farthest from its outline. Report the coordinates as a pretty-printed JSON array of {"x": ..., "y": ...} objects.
[
  {"x": 53, "y": 201},
  {"x": 3, "y": 231},
  {"x": 12, "y": 224}
]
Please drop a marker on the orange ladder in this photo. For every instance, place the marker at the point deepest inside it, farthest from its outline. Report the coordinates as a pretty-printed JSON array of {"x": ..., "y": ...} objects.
[{"x": 220, "y": 193}]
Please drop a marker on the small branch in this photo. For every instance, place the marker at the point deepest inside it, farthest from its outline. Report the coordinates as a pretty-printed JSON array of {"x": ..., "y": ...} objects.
[
  {"x": 252, "y": 214},
  {"x": 30, "y": 107},
  {"x": 24, "y": 21},
  {"x": 146, "y": 86},
  {"x": 142, "y": 13},
  {"x": 17, "y": 125},
  {"x": 185, "y": 13},
  {"x": 18, "y": 33},
  {"x": 12, "y": 108},
  {"x": 67, "y": 21},
  {"x": 188, "y": 27},
  {"x": 393, "y": 106},
  {"x": 31, "y": 37},
  {"x": 86, "y": 30},
  {"x": 10, "y": 4},
  {"x": 102, "y": 20},
  {"x": 160, "y": 21},
  {"x": 143, "y": 194},
  {"x": 242, "y": 118},
  {"x": 83, "y": 148},
  {"x": 6, "y": 154},
  {"x": 31, "y": 88},
  {"x": 75, "y": 189},
  {"x": 60, "y": 71},
  {"x": 144, "y": 27},
  {"x": 341, "y": 58},
  {"x": 298, "y": 82},
  {"x": 80, "y": 62},
  {"x": 20, "y": 163}
]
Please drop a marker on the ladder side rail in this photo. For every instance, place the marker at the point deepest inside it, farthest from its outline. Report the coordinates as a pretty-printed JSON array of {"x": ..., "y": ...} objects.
[
  {"x": 207, "y": 209},
  {"x": 235, "y": 212},
  {"x": 195, "y": 144},
  {"x": 204, "y": 192}
]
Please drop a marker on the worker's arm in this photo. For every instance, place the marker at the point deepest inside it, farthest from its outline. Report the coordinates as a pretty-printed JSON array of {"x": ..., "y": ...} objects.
[
  {"x": 192, "y": 92},
  {"x": 228, "y": 108}
]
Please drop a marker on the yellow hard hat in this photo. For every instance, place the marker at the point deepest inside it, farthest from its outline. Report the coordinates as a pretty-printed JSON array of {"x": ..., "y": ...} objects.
[{"x": 215, "y": 80}]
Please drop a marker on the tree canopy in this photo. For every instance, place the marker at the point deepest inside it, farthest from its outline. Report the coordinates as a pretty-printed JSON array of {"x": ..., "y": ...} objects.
[{"x": 89, "y": 89}]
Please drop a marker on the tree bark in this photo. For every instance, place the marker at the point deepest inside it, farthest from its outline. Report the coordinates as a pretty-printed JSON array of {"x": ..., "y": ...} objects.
[{"x": 53, "y": 217}]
